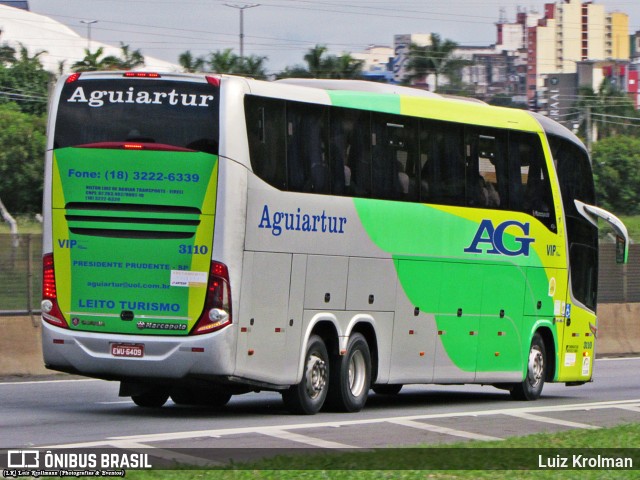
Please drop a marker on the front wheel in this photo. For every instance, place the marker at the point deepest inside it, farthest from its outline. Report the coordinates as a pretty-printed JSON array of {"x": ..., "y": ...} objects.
[
  {"x": 308, "y": 396},
  {"x": 531, "y": 387},
  {"x": 351, "y": 379}
]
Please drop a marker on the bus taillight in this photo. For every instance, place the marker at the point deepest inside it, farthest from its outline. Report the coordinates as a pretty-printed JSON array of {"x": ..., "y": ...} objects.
[
  {"x": 217, "y": 308},
  {"x": 50, "y": 311}
]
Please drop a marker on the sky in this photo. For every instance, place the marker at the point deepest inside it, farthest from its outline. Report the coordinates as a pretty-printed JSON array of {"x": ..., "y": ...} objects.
[{"x": 284, "y": 30}]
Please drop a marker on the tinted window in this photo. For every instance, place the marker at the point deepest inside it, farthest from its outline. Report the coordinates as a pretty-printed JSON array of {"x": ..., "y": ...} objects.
[
  {"x": 576, "y": 183},
  {"x": 182, "y": 114}
]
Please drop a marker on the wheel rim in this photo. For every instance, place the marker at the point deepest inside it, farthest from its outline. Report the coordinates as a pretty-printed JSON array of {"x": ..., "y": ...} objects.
[
  {"x": 536, "y": 367},
  {"x": 316, "y": 378},
  {"x": 357, "y": 373}
]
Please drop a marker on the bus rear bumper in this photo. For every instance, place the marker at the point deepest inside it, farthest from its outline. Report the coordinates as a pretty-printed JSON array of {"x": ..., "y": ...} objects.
[{"x": 162, "y": 357}]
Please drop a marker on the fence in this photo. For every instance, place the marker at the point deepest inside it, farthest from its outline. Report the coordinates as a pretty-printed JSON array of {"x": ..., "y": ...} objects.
[{"x": 21, "y": 275}]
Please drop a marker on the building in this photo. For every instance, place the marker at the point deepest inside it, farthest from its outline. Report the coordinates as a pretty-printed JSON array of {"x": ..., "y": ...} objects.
[
  {"x": 376, "y": 62},
  {"x": 571, "y": 32}
]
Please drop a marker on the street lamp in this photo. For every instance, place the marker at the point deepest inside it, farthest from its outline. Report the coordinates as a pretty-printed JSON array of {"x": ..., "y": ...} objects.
[
  {"x": 88, "y": 23},
  {"x": 242, "y": 8}
]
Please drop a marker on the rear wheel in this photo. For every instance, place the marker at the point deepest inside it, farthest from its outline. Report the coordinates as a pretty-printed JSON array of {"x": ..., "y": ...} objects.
[
  {"x": 308, "y": 396},
  {"x": 351, "y": 379},
  {"x": 531, "y": 387},
  {"x": 150, "y": 399}
]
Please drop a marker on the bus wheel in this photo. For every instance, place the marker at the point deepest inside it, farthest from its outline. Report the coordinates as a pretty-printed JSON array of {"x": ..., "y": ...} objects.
[
  {"x": 531, "y": 387},
  {"x": 387, "y": 389},
  {"x": 351, "y": 379},
  {"x": 150, "y": 399},
  {"x": 309, "y": 395}
]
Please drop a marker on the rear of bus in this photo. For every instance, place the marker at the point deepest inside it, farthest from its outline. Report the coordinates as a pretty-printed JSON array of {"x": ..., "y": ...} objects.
[{"x": 130, "y": 290}]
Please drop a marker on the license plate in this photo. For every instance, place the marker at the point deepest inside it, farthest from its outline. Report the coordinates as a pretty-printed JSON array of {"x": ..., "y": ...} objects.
[{"x": 127, "y": 350}]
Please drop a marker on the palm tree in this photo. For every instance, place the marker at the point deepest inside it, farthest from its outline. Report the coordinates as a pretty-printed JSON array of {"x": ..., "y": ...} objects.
[
  {"x": 189, "y": 63},
  {"x": 315, "y": 63},
  {"x": 224, "y": 61},
  {"x": 7, "y": 54},
  {"x": 345, "y": 66},
  {"x": 253, "y": 66},
  {"x": 92, "y": 61},
  {"x": 435, "y": 59}
]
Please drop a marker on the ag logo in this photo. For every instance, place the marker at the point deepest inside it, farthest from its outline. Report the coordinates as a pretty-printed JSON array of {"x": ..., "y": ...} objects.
[{"x": 494, "y": 238}]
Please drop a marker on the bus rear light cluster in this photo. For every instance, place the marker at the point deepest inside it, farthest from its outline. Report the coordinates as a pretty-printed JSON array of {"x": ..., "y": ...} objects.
[
  {"x": 141, "y": 75},
  {"x": 217, "y": 308},
  {"x": 50, "y": 311}
]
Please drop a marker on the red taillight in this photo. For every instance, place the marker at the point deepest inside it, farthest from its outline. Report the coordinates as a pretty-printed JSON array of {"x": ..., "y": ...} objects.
[
  {"x": 72, "y": 78},
  {"x": 50, "y": 311},
  {"x": 217, "y": 308},
  {"x": 214, "y": 81},
  {"x": 141, "y": 75}
]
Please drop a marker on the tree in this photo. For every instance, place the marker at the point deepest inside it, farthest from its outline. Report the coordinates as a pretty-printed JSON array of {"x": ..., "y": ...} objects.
[
  {"x": 436, "y": 59},
  {"x": 320, "y": 65},
  {"x": 225, "y": 61},
  {"x": 24, "y": 81},
  {"x": 21, "y": 159},
  {"x": 606, "y": 113},
  {"x": 616, "y": 169},
  {"x": 189, "y": 63},
  {"x": 92, "y": 62}
]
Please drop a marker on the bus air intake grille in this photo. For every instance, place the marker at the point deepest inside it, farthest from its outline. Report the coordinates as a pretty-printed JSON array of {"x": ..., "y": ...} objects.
[{"x": 132, "y": 221}]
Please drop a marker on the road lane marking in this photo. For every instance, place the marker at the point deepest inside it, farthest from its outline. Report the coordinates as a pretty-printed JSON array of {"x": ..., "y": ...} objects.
[
  {"x": 530, "y": 411},
  {"x": 554, "y": 421},
  {"x": 296, "y": 437},
  {"x": 169, "y": 454},
  {"x": 444, "y": 430}
]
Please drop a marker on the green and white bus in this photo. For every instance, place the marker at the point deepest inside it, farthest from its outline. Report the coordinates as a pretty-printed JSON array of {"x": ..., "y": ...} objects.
[{"x": 207, "y": 236}]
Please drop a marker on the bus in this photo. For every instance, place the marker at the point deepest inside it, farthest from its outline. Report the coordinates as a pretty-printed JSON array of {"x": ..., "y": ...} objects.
[{"x": 210, "y": 235}]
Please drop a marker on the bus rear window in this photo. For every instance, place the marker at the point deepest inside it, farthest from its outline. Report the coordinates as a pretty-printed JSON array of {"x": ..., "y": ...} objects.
[{"x": 180, "y": 114}]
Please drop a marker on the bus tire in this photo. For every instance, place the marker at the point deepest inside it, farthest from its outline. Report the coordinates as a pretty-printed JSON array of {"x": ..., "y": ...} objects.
[
  {"x": 351, "y": 377},
  {"x": 531, "y": 387},
  {"x": 387, "y": 389},
  {"x": 308, "y": 396},
  {"x": 150, "y": 399}
]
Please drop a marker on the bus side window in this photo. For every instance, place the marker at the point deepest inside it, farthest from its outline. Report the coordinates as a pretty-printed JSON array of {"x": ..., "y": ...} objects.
[
  {"x": 486, "y": 169},
  {"x": 444, "y": 178},
  {"x": 394, "y": 142},
  {"x": 530, "y": 188},
  {"x": 350, "y": 160},
  {"x": 265, "y": 132},
  {"x": 307, "y": 166}
]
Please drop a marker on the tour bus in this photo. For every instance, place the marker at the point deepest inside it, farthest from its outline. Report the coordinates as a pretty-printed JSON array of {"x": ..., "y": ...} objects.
[{"x": 211, "y": 235}]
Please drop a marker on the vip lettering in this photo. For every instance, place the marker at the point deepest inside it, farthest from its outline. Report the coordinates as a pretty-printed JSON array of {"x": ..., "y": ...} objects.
[
  {"x": 300, "y": 222},
  {"x": 494, "y": 238},
  {"x": 97, "y": 98}
]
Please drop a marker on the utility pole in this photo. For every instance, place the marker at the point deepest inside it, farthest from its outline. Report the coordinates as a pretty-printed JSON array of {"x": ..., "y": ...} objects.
[
  {"x": 242, "y": 8},
  {"x": 88, "y": 23}
]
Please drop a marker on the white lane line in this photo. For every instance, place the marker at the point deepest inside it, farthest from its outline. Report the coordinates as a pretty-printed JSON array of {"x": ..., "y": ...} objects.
[
  {"x": 167, "y": 454},
  {"x": 445, "y": 430},
  {"x": 156, "y": 437},
  {"x": 296, "y": 437},
  {"x": 554, "y": 421}
]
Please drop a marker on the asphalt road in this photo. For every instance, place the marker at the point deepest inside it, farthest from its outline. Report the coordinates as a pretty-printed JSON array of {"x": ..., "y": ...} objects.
[{"x": 88, "y": 413}]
